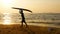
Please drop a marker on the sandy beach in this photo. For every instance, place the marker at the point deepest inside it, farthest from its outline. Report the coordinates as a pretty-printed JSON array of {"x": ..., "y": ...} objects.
[{"x": 16, "y": 29}]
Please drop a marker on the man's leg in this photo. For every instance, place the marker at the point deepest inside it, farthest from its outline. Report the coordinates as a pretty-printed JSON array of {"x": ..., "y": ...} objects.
[
  {"x": 25, "y": 23},
  {"x": 21, "y": 23}
]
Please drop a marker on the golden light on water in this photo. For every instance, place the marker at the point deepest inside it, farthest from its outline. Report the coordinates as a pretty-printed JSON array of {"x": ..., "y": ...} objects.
[
  {"x": 6, "y": 22},
  {"x": 7, "y": 19}
]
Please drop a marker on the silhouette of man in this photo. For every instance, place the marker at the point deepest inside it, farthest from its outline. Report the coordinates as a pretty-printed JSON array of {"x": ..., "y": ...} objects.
[{"x": 22, "y": 15}]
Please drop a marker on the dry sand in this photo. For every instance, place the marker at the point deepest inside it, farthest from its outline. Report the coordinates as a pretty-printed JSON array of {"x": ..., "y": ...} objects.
[{"x": 16, "y": 29}]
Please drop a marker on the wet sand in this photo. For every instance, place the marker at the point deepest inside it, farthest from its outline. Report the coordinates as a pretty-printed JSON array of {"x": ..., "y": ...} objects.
[{"x": 16, "y": 29}]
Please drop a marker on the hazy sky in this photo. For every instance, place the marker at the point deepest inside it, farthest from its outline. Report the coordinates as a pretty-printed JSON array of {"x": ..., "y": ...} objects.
[{"x": 37, "y": 6}]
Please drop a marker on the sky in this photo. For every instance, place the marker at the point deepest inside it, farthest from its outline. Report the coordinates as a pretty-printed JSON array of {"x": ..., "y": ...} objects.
[{"x": 37, "y": 6}]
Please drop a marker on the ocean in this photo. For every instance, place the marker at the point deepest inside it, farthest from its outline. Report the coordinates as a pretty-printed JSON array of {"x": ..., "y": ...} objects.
[{"x": 31, "y": 17}]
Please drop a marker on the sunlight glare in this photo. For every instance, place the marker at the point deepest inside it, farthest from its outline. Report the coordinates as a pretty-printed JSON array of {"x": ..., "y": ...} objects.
[
  {"x": 7, "y": 3},
  {"x": 7, "y": 19},
  {"x": 6, "y": 22}
]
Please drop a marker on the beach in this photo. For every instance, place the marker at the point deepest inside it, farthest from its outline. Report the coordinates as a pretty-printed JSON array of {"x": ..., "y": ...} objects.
[{"x": 16, "y": 29}]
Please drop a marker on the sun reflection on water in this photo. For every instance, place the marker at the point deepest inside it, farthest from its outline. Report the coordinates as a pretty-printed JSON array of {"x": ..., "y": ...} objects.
[{"x": 7, "y": 19}]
